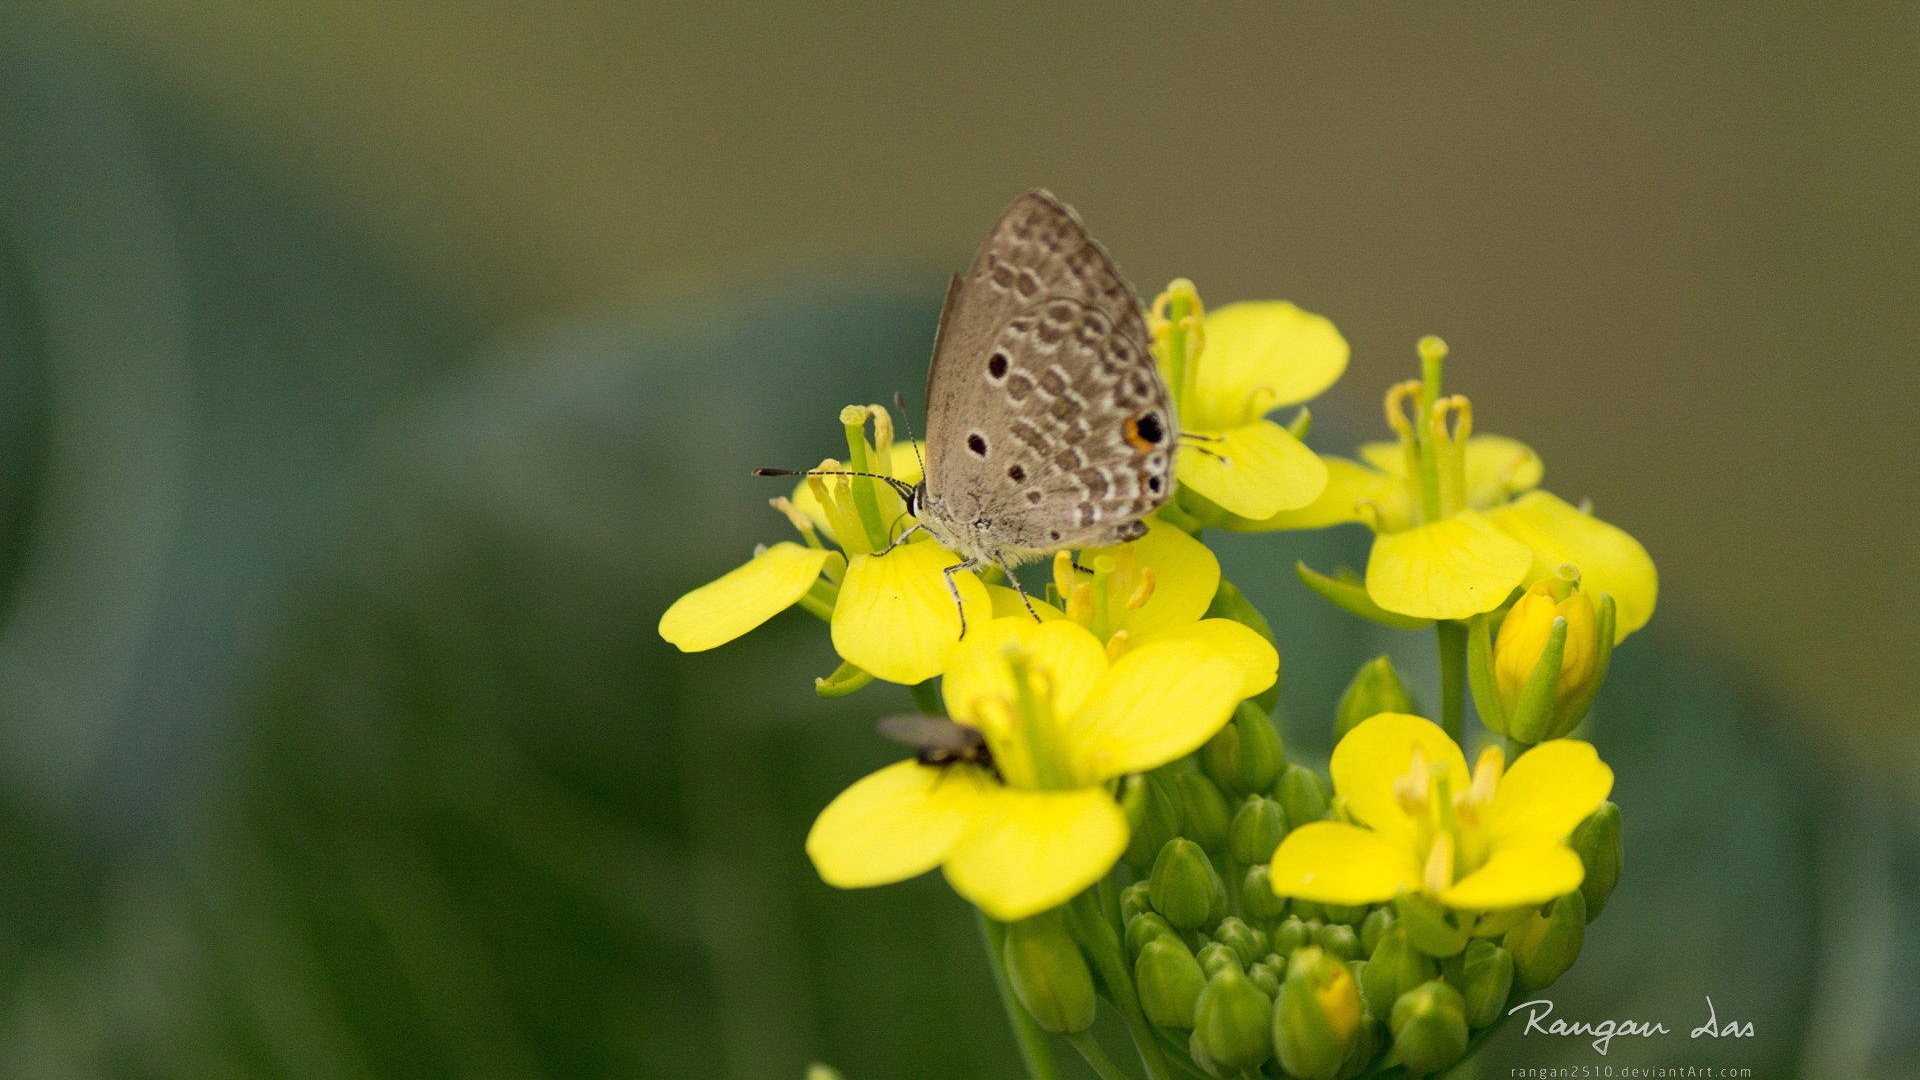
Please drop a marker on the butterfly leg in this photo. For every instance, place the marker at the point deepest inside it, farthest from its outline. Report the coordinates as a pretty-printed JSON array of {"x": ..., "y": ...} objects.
[
  {"x": 901, "y": 539},
  {"x": 953, "y": 588},
  {"x": 1014, "y": 580}
]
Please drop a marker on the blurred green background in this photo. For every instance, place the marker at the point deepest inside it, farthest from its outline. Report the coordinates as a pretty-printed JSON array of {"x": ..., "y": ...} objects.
[{"x": 372, "y": 375}]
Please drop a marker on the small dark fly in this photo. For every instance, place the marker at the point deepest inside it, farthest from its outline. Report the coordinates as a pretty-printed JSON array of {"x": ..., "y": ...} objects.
[{"x": 938, "y": 741}]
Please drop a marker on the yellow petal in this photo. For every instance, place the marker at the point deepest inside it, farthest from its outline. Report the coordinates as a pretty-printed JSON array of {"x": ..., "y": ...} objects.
[
  {"x": 1159, "y": 702},
  {"x": 1258, "y": 357},
  {"x": 1185, "y": 576},
  {"x": 1029, "y": 851},
  {"x": 1547, "y": 791},
  {"x": 1529, "y": 874},
  {"x": 1447, "y": 569},
  {"x": 1065, "y": 660},
  {"x": 721, "y": 610},
  {"x": 895, "y": 617},
  {"x": 1498, "y": 468},
  {"x": 1349, "y": 484},
  {"x": 895, "y": 824},
  {"x": 1331, "y": 862},
  {"x": 1255, "y": 656},
  {"x": 1006, "y": 605},
  {"x": 1610, "y": 561},
  {"x": 1378, "y": 752},
  {"x": 1253, "y": 471}
]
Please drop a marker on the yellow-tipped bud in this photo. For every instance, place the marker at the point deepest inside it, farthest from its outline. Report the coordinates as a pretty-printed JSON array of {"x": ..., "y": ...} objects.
[{"x": 1526, "y": 634}]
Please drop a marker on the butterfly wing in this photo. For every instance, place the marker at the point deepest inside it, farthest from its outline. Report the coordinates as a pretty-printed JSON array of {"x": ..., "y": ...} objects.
[{"x": 1048, "y": 424}]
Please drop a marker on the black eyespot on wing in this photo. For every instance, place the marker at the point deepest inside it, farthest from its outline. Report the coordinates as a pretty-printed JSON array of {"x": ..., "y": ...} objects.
[
  {"x": 1016, "y": 474},
  {"x": 977, "y": 443},
  {"x": 997, "y": 365},
  {"x": 1054, "y": 535},
  {"x": 1150, "y": 429},
  {"x": 1153, "y": 484}
]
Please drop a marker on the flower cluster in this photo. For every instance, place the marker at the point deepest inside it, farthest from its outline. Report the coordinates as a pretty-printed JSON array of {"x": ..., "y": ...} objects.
[{"x": 1115, "y": 798}]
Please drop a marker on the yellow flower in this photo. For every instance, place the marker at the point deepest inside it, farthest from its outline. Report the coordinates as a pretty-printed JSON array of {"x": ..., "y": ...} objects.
[
  {"x": 890, "y": 615},
  {"x": 1061, "y": 720},
  {"x": 1228, "y": 369},
  {"x": 1154, "y": 589},
  {"x": 1523, "y": 637},
  {"x": 1459, "y": 519},
  {"x": 1479, "y": 842}
]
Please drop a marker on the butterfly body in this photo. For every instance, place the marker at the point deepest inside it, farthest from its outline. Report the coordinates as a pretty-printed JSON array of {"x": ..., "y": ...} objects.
[{"x": 1048, "y": 424}]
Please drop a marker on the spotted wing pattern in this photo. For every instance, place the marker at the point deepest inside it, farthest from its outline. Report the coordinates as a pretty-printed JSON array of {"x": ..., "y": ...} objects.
[{"x": 1048, "y": 425}]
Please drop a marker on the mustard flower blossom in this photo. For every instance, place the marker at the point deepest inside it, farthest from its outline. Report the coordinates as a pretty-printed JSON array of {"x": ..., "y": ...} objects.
[
  {"x": 1061, "y": 720},
  {"x": 1228, "y": 369},
  {"x": 1492, "y": 839}
]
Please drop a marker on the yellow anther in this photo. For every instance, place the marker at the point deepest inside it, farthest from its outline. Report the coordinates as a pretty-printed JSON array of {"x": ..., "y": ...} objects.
[
  {"x": 1064, "y": 573},
  {"x": 1412, "y": 790},
  {"x": 793, "y": 515},
  {"x": 1401, "y": 402},
  {"x": 1080, "y": 603},
  {"x": 1118, "y": 644},
  {"x": 1486, "y": 779},
  {"x": 1455, "y": 411},
  {"x": 1369, "y": 512},
  {"x": 1262, "y": 400},
  {"x": 1439, "y": 869},
  {"x": 1141, "y": 592}
]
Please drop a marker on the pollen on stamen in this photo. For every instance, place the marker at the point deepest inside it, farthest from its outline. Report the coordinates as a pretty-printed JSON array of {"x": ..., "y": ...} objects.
[
  {"x": 1080, "y": 603},
  {"x": 1118, "y": 644},
  {"x": 1438, "y": 875},
  {"x": 1143, "y": 591},
  {"x": 1400, "y": 403}
]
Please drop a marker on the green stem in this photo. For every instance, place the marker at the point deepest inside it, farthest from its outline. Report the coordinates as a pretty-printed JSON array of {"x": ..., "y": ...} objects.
[
  {"x": 1026, "y": 1031},
  {"x": 1089, "y": 1048},
  {"x": 1094, "y": 917},
  {"x": 1452, "y": 638}
]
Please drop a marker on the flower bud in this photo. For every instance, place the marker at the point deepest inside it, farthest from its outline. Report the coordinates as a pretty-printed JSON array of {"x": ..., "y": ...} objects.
[
  {"x": 1429, "y": 1025},
  {"x": 1375, "y": 689},
  {"x": 1339, "y": 940},
  {"x": 1048, "y": 974},
  {"x": 1343, "y": 913},
  {"x": 1597, "y": 842},
  {"x": 1246, "y": 942},
  {"x": 1310, "y": 910},
  {"x": 1245, "y": 755},
  {"x": 1290, "y": 935},
  {"x": 1214, "y": 957},
  {"x": 1373, "y": 928},
  {"x": 1255, "y": 831},
  {"x": 1257, "y": 898},
  {"x": 1302, "y": 794},
  {"x": 1547, "y": 661},
  {"x": 1317, "y": 1017},
  {"x": 1429, "y": 928},
  {"x": 1143, "y": 928},
  {"x": 1266, "y": 975},
  {"x": 1484, "y": 974},
  {"x": 1545, "y": 946},
  {"x": 1181, "y": 885},
  {"x": 1153, "y": 818},
  {"x": 1395, "y": 968},
  {"x": 1232, "y": 1021},
  {"x": 1169, "y": 981},
  {"x": 1134, "y": 901},
  {"x": 1203, "y": 810}
]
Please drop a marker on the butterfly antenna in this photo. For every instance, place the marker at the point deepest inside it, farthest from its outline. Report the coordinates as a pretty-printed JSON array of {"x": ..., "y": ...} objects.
[
  {"x": 900, "y": 406},
  {"x": 904, "y": 489}
]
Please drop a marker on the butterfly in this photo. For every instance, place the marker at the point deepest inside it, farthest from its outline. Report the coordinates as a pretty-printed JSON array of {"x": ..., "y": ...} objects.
[{"x": 1049, "y": 426}]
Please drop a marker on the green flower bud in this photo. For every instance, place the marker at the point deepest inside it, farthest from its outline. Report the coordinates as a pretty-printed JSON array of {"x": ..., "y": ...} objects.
[
  {"x": 1153, "y": 816},
  {"x": 1048, "y": 974},
  {"x": 1429, "y": 1025},
  {"x": 1302, "y": 794},
  {"x": 1246, "y": 942},
  {"x": 1215, "y": 957},
  {"x": 1339, "y": 940},
  {"x": 1343, "y": 913},
  {"x": 1145, "y": 927},
  {"x": 1394, "y": 968},
  {"x": 1203, "y": 810},
  {"x": 1169, "y": 981},
  {"x": 1181, "y": 885},
  {"x": 1246, "y": 755},
  {"x": 1317, "y": 1018},
  {"x": 1309, "y": 910},
  {"x": 1373, "y": 927},
  {"x": 1545, "y": 946},
  {"x": 1290, "y": 935},
  {"x": 1134, "y": 901},
  {"x": 1255, "y": 831},
  {"x": 1231, "y": 1024},
  {"x": 1484, "y": 974},
  {"x": 1375, "y": 689},
  {"x": 1597, "y": 842},
  {"x": 1257, "y": 898},
  {"x": 1429, "y": 926},
  {"x": 1266, "y": 975}
]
